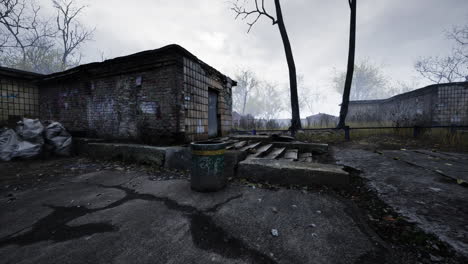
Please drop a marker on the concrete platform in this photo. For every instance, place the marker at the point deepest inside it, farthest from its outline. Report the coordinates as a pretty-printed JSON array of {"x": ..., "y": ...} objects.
[
  {"x": 287, "y": 172},
  {"x": 144, "y": 154},
  {"x": 316, "y": 148},
  {"x": 171, "y": 157},
  {"x": 127, "y": 217},
  {"x": 420, "y": 185}
]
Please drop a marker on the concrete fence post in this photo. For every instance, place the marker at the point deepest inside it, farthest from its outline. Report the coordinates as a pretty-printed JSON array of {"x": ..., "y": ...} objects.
[
  {"x": 453, "y": 129},
  {"x": 346, "y": 133},
  {"x": 416, "y": 131}
]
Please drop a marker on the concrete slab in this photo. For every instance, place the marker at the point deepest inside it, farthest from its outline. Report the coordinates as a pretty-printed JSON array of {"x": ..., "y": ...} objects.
[
  {"x": 128, "y": 152},
  {"x": 289, "y": 172},
  {"x": 231, "y": 161},
  {"x": 276, "y": 152},
  {"x": 445, "y": 164},
  {"x": 80, "y": 145},
  {"x": 261, "y": 151},
  {"x": 317, "y": 148},
  {"x": 423, "y": 196},
  {"x": 118, "y": 217},
  {"x": 172, "y": 157},
  {"x": 292, "y": 213},
  {"x": 179, "y": 158},
  {"x": 291, "y": 154},
  {"x": 263, "y": 138}
]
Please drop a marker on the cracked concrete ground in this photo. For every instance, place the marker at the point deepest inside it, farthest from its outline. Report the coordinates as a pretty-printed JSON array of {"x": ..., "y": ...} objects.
[
  {"x": 128, "y": 217},
  {"x": 426, "y": 187},
  {"x": 78, "y": 211}
]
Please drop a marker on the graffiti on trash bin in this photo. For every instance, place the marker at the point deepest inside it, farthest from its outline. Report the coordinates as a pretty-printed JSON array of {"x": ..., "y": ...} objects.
[{"x": 208, "y": 163}]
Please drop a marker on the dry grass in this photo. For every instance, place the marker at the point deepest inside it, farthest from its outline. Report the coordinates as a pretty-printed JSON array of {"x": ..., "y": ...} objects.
[{"x": 436, "y": 138}]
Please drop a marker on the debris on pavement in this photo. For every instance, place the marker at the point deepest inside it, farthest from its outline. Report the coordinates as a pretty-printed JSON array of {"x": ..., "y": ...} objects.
[{"x": 274, "y": 232}]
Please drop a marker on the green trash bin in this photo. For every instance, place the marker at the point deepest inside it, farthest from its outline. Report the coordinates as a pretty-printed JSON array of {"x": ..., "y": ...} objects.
[{"x": 207, "y": 172}]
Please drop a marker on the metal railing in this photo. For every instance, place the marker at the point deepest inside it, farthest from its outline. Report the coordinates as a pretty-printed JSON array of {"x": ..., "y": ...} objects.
[{"x": 417, "y": 130}]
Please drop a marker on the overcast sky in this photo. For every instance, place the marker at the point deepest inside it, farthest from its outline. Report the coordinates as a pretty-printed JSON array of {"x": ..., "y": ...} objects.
[{"x": 392, "y": 33}]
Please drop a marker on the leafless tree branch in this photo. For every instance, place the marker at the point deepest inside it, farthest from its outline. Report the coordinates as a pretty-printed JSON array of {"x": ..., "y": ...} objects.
[
  {"x": 256, "y": 12},
  {"x": 20, "y": 27},
  {"x": 72, "y": 33},
  {"x": 439, "y": 70},
  {"x": 451, "y": 68},
  {"x": 459, "y": 34}
]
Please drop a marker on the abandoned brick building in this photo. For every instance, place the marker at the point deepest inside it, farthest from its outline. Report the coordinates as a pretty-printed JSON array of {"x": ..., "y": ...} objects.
[
  {"x": 434, "y": 105},
  {"x": 19, "y": 95},
  {"x": 153, "y": 96}
]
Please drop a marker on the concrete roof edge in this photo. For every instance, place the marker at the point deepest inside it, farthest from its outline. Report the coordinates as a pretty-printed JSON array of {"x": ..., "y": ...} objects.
[
  {"x": 175, "y": 47},
  {"x": 19, "y": 73}
]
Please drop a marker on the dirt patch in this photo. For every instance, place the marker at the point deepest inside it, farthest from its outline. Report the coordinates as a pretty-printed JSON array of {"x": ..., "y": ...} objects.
[
  {"x": 25, "y": 174},
  {"x": 406, "y": 239},
  {"x": 403, "y": 242}
]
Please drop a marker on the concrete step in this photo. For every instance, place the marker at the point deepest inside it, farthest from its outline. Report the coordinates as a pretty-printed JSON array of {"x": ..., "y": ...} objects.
[
  {"x": 251, "y": 146},
  {"x": 240, "y": 144},
  {"x": 305, "y": 157},
  {"x": 290, "y": 154},
  {"x": 315, "y": 148},
  {"x": 276, "y": 152},
  {"x": 260, "y": 151},
  {"x": 231, "y": 144},
  {"x": 289, "y": 172}
]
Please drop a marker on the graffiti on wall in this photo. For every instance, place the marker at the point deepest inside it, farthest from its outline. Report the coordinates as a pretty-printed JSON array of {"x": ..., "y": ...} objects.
[{"x": 9, "y": 96}]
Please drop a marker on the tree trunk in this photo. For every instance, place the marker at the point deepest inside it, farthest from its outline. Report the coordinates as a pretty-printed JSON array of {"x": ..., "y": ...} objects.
[
  {"x": 244, "y": 103},
  {"x": 64, "y": 60},
  {"x": 350, "y": 71},
  {"x": 296, "y": 118}
]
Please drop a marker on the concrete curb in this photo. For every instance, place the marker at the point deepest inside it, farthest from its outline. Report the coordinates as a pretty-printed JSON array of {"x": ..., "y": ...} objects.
[{"x": 288, "y": 172}]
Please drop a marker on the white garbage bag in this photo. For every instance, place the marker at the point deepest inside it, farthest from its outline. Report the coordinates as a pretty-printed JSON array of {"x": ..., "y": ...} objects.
[
  {"x": 30, "y": 138},
  {"x": 31, "y": 130},
  {"x": 8, "y": 144},
  {"x": 57, "y": 136},
  {"x": 27, "y": 149}
]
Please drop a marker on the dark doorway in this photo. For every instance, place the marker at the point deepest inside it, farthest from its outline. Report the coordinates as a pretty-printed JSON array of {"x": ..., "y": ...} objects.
[{"x": 212, "y": 113}]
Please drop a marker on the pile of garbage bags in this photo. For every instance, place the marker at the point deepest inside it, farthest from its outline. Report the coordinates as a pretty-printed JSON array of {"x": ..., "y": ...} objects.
[{"x": 31, "y": 138}]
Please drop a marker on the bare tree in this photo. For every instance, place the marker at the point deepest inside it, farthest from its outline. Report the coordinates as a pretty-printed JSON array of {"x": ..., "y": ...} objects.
[
  {"x": 349, "y": 73},
  {"x": 21, "y": 28},
  {"x": 369, "y": 81},
  {"x": 451, "y": 68},
  {"x": 269, "y": 101},
  {"x": 311, "y": 98},
  {"x": 459, "y": 34},
  {"x": 72, "y": 33},
  {"x": 308, "y": 97},
  {"x": 247, "y": 82},
  {"x": 441, "y": 70},
  {"x": 258, "y": 11}
]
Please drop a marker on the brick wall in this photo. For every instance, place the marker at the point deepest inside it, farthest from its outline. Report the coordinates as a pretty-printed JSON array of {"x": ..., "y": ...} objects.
[
  {"x": 138, "y": 106},
  {"x": 149, "y": 97},
  {"x": 442, "y": 104},
  {"x": 18, "y": 98},
  {"x": 452, "y": 105},
  {"x": 197, "y": 80}
]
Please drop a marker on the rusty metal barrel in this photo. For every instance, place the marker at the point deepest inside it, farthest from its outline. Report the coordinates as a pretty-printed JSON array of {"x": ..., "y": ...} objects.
[{"x": 207, "y": 174}]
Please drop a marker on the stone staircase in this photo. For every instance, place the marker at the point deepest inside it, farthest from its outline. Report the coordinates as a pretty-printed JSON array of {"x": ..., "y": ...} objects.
[
  {"x": 288, "y": 151},
  {"x": 262, "y": 159}
]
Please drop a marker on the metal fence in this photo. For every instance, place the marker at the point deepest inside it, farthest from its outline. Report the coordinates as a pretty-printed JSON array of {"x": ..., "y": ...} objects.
[{"x": 417, "y": 130}]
